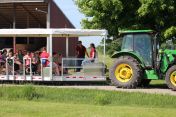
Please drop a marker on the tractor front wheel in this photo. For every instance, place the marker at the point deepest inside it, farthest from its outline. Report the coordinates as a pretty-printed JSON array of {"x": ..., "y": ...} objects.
[
  {"x": 171, "y": 77},
  {"x": 126, "y": 72}
]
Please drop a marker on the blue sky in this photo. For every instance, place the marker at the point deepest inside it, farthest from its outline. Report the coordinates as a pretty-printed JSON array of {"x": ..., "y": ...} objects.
[
  {"x": 73, "y": 14},
  {"x": 71, "y": 11}
]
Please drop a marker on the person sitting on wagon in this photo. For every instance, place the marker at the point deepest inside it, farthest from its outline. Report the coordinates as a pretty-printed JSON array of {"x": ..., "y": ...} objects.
[
  {"x": 92, "y": 57},
  {"x": 20, "y": 56},
  {"x": 27, "y": 58},
  {"x": 37, "y": 58},
  {"x": 17, "y": 65},
  {"x": 4, "y": 55},
  {"x": 10, "y": 63},
  {"x": 55, "y": 64},
  {"x": 65, "y": 70},
  {"x": 46, "y": 63},
  {"x": 92, "y": 52},
  {"x": 44, "y": 57},
  {"x": 34, "y": 62},
  {"x": 2, "y": 62},
  {"x": 17, "y": 62}
]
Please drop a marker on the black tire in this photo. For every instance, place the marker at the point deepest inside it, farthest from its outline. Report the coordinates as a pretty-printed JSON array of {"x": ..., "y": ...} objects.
[
  {"x": 135, "y": 79},
  {"x": 167, "y": 77},
  {"x": 145, "y": 82}
]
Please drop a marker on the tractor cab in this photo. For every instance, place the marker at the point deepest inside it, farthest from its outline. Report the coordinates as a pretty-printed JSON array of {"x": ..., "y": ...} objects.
[{"x": 140, "y": 43}]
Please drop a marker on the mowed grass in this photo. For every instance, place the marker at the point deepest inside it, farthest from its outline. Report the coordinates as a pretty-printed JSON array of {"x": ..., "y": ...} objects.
[
  {"x": 51, "y": 109},
  {"x": 26, "y": 101}
]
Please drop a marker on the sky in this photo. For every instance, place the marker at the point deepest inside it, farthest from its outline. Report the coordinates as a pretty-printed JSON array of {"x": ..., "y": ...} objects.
[{"x": 72, "y": 13}]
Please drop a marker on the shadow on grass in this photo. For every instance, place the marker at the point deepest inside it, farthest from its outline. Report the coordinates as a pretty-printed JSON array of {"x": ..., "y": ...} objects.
[{"x": 66, "y": 83}]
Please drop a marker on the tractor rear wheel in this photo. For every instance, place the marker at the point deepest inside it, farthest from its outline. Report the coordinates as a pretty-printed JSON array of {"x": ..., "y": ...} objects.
[
  {"x": 126, "y": 72},
  {"x": 171, "y": 77}
]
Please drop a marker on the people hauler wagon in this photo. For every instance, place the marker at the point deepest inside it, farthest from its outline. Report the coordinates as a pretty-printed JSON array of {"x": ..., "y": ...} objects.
[
  {"x": 92, "y": 71},
  {"x": 141, "y": 60}
]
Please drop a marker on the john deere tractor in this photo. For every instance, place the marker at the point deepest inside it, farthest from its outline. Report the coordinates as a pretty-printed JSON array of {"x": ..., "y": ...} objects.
[{"x": 140, "y": 61}]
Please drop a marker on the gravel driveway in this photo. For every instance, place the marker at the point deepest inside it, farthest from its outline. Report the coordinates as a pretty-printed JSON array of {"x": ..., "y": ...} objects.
[{"x": 112, "y": 88}]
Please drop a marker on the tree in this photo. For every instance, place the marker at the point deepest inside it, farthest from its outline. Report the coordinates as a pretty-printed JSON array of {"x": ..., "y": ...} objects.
[
  {"x": 111, "y": 46},
  {"x": 161, "y": 14},
  {"x": 115, "y": 15}
]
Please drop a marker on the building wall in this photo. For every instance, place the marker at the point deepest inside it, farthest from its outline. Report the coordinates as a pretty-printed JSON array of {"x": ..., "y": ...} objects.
[{"x": 59, "y": 20}]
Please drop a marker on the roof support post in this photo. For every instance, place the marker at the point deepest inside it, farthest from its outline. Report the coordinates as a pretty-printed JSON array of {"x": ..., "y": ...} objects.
[
  {"x": 67, "y": 46},
  {"x": 27, "y": 27},
  {"x": 51, "y": 56},
  {"x": 48, "y": 25},
  {"x": 104, "y": 47},
  {"x": 14, "y": 26}
]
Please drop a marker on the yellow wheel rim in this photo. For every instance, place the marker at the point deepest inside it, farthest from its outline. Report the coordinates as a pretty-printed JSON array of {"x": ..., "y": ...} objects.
[
  {"x": 173, "y": 78},
  {"x": 123, "y": 72}
]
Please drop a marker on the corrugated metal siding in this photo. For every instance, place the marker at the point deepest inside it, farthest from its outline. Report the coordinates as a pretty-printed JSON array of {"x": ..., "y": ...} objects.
[{"x": 59, "y": 20}]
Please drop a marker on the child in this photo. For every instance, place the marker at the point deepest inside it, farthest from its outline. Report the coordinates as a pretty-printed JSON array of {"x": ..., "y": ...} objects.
[
  {"x": 27, "y": 58},
  {"x": 44, "y": 56},
  {"x": 34, "y": 62}
]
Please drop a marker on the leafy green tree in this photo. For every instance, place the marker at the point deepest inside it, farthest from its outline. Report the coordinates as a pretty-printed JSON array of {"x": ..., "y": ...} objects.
[
  {"x": 115, "y": 15},
  {"x": 160, "y": 15},
  {"x": 111, "y": 46}
]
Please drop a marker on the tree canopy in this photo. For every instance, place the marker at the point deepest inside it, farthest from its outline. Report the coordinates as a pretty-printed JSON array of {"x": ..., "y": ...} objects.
[{"x": 115, "y": 15}]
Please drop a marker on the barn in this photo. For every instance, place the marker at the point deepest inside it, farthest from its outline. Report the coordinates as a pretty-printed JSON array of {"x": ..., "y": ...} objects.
[{"x": 22, "y": 14}]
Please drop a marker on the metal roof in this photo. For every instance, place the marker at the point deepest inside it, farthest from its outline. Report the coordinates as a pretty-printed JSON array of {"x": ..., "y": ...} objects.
[
  {"x": 20, "y": 1},
  {"x": 136, "y": 31},
  {"x": 26, "y": 14},
  {"x": 61, "y": 32}
]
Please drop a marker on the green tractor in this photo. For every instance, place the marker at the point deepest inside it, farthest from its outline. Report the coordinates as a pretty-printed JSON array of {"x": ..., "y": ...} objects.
[{"x": 140, "y": 61}]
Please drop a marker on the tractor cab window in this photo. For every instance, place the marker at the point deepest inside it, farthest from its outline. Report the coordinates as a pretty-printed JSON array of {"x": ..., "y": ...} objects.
[
  {"x": 127, "y": 43},
  {"x": 143, "y": 46},
  {"x": 139, "y": 43}
]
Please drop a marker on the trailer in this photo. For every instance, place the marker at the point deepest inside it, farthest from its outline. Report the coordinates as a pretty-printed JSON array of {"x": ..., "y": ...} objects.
[{"x": 92, "y": 71}]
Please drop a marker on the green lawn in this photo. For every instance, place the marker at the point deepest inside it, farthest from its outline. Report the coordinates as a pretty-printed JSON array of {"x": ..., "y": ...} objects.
[
  {"x": 50, "y": 109},
  {"x": 27, "y": 101}
]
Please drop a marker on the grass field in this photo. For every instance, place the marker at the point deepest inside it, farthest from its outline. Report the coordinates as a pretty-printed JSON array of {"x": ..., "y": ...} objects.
[
  {"x": 27, "y": 101},
  {"x": 50, "y": 109},
  {"x": 33, "y": 101}
]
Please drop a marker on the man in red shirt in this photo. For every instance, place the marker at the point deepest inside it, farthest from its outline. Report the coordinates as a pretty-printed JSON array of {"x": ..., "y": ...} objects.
[{"x": 80, "y": 54}]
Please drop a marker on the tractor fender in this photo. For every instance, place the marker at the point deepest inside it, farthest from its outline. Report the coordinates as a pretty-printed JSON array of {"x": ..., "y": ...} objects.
[{"x": 132, "y": 54}]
